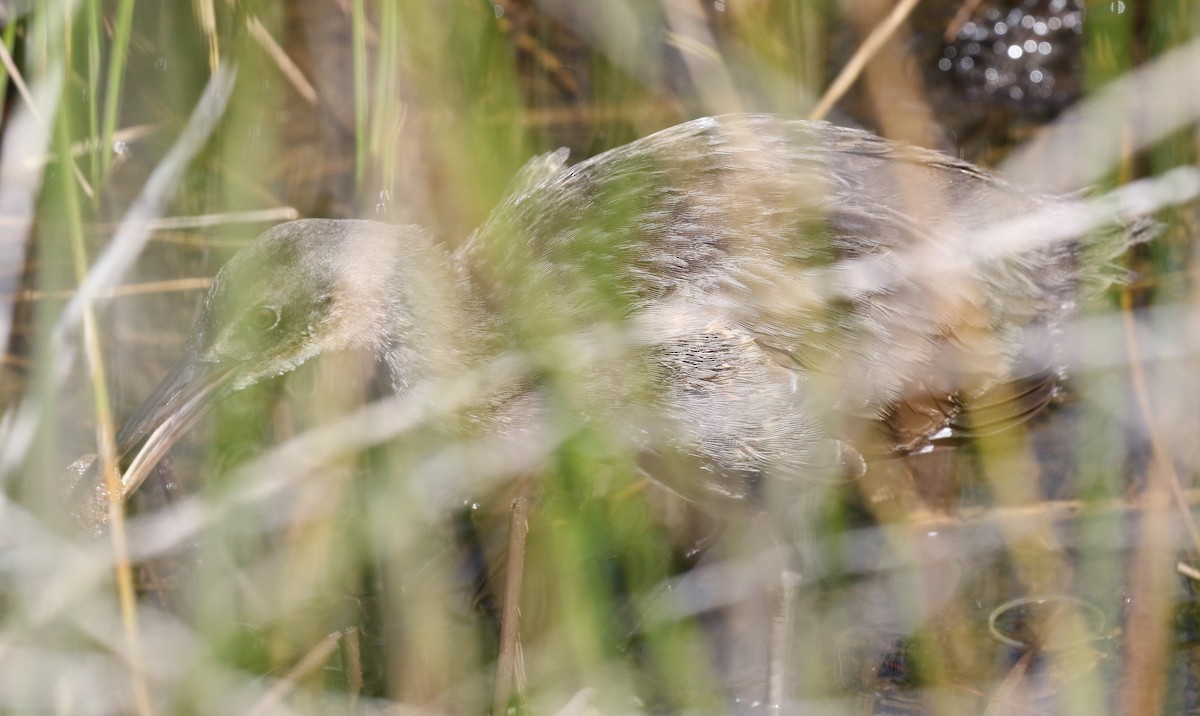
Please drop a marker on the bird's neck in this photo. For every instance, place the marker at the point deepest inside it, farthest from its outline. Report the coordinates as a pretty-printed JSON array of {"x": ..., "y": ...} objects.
[{"x": 437, "y": 327}]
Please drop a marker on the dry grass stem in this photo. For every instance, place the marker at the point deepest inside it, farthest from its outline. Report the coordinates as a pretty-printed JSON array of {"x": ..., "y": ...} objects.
[
  {"x": 206, "y": 16},
  {"x": 136, "y": 289},
  {"x": 283, "y": 61},
  {"x": 352, "y": 651},
  {"x": 316, "y": 658},
  {"x": 854, "y": 67},
  {"x": 960, "y": 18},
  {"x": 510, "y": 616},
  {"x": 19, "y": 82}
]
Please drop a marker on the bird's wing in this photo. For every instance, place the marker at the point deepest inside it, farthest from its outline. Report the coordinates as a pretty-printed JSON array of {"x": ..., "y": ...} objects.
[
  {"x": 920, "y": 332},
  {"x": 846, "y": 259},
  {"x": 536, "y": 171}
]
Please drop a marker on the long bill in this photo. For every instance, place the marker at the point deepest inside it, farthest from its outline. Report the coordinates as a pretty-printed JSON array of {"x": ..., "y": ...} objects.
[{"x": 181, "y": 399}]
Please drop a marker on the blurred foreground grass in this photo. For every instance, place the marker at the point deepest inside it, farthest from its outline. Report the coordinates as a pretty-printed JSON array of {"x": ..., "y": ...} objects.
[{"x": 144, "y": 142}]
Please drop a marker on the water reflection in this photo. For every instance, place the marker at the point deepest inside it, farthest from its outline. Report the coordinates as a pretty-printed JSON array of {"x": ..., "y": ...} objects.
[
  {"x": 1027, "y": 54},
  {"x": 1046, "y": 622}
]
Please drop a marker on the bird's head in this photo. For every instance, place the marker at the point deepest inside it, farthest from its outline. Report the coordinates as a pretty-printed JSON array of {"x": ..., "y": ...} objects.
[{"x": 301, "y": 289}]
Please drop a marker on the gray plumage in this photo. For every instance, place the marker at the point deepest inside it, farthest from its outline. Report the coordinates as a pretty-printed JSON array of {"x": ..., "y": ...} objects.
[{"x": 792, "y": 294}]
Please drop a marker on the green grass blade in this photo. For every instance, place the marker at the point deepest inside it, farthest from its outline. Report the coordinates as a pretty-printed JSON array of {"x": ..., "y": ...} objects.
[{"x": 116, "y": 72}]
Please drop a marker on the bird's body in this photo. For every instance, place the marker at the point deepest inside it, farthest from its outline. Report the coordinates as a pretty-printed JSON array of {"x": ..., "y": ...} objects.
[{"x": 787, "y": 295}]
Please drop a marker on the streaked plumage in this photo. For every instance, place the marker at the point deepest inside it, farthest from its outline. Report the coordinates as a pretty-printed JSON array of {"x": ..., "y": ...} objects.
[{"x": 796, "y": 294}]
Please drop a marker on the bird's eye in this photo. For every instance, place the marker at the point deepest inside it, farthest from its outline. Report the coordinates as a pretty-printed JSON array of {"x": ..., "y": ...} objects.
[{"x": 263, "y": 319}]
